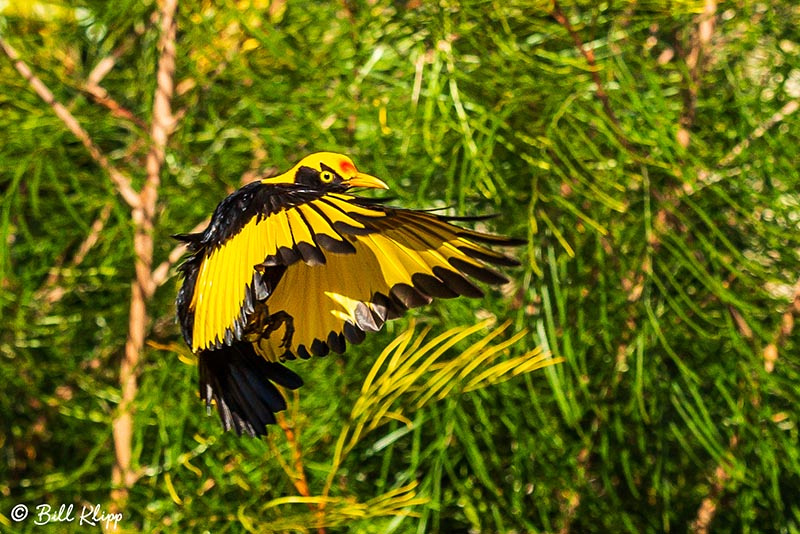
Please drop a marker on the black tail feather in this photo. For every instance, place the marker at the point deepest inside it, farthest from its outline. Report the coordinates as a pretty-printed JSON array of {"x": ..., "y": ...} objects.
[{"x": 240, "y": 382}]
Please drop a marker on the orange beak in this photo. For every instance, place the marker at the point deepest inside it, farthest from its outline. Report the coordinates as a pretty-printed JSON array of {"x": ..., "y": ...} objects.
[{"x": 365, "y": 180}]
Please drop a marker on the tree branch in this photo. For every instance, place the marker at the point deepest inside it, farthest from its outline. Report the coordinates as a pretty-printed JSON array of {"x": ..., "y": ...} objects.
[
  {"x": 161, "y": 273},
  {"x": 121, "y": 182},
  {"x": 299, "y": 476},
  {"x": 588, "y": 54},
  {"x": 706, "y": 177},
  {"x": 695, "y": 60},
  {"x": 143, "y": 287},
  {"x": 101, "y": 96},
  {"x": 50, "y": 292}
]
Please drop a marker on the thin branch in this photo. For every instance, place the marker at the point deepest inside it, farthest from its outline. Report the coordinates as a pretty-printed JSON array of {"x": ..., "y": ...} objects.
[
  {"x": 161, "y": 273},
  {"x": 121, "y": 182},
  {"x": 50, "y": 292},
  {"x": 101, "y": 96},
  {"x": 777, "y": 117},
  {"x": 299, "y": 476},
  {"x": 706, "y": 178},
  {"x": 105, "y": 65},
  {"x": 143, "y": 287},
  {"x": 102, "y": 68},
  {"x": 588, "y": 54},
  {"x": 695, "y": 60},
  {"x": 299, "y": 472}
]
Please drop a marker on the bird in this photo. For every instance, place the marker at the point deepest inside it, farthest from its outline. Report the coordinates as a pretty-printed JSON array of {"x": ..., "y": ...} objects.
[{"x": 297, "y": 265}]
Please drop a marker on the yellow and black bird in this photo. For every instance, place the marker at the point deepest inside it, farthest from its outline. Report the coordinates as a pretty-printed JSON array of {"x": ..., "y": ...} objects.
[{"x": 296, "y": 265}]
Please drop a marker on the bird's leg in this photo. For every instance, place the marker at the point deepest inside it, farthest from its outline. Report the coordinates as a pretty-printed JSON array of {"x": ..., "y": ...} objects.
[
  {"x": 257, "y": 324},
  {"x": 262, "y": 324},
  {"x": 275, "y": 322}
]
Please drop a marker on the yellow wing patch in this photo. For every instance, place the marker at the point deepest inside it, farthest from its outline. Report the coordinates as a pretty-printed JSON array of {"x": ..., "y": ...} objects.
[
  {"x": 410, "y": 258},
  {"x": 226, "y": 275}
]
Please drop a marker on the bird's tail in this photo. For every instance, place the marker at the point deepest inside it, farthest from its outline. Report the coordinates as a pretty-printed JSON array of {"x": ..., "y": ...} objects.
[{"x": 242, "y": 384}]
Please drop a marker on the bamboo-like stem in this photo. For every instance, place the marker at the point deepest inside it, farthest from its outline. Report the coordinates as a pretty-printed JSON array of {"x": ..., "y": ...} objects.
[
  {"x": 143, "y": 287},
  {"x": 143, "y": 209}
]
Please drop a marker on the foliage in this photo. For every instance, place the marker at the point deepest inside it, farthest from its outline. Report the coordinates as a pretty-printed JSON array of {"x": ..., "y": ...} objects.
[{"x": 647, "y": 150}]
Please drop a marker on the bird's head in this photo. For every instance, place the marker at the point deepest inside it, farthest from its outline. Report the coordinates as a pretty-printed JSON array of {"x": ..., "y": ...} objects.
[{"x": 327, "y": 169}]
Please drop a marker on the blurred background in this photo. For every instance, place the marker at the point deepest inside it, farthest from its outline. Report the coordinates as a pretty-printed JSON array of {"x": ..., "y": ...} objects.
[{"x": 648, "y": 151}]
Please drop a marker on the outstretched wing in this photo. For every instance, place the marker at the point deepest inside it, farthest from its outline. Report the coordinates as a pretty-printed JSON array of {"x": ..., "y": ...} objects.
[
  {"x": 253, "y": 236},
  {"x": 401, "y": 260}
]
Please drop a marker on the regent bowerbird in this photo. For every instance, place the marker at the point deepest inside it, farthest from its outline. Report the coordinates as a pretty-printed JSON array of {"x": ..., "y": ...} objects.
[{"x": 296, "y": 265}]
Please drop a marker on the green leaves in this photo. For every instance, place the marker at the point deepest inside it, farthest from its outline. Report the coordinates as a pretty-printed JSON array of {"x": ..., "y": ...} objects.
[
  {"x": 409, "y": 374},
  {"x": 651, "y": 165}
]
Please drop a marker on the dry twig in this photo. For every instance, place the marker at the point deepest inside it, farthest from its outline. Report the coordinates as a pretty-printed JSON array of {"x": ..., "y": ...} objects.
[
  {"x": 143, "y": 210},
  {"x": 143, "y": 287},
  {"x": 588, "y": 54},
  {"x": 50, "y": 292},
  {"x": 299, "y": 472},
  {"x": 695, "y": 61}
]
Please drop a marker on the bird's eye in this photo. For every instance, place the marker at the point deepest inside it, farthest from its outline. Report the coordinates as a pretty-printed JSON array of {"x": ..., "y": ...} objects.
[{"x": 326, "y": 177}]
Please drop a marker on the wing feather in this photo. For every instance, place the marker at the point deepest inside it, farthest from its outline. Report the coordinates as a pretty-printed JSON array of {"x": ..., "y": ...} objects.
[
  {"x": 401, "y": 261},
  {"x": 336, "y": 212},
  {"x": 258, "y": 227},
  {"x": 467, "y": 265},
  {"x": 362, "y": 264},
  {"x": 303, "y": 237}
]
